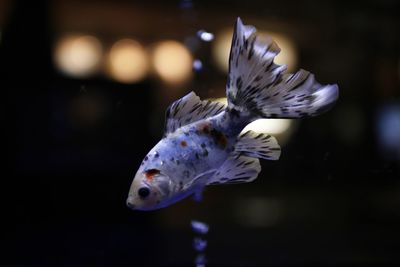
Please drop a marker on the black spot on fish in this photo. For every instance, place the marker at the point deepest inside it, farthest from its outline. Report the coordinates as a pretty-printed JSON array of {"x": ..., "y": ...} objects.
[
  {"x": 232, "y": 98},
  {"x": 245, "y": 42},
  {"x": 186, "y": 174},
  {"x": 251, "y": 53},
  {"x": 290, "y": 78},
  {"x": 239, "y": 83},
  {"x": 303, "y": 114},
  {"x": 234, "y": 112},
  {"x": 219, "y": 138},
  {"x": 269, "y": 65},
  {"x": 288, "y": 97},
  {"x": 239, "y": 164}
]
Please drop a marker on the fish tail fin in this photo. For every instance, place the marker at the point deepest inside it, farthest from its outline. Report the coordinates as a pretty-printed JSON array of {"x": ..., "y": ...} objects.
[{"x": 259, "y": 88}]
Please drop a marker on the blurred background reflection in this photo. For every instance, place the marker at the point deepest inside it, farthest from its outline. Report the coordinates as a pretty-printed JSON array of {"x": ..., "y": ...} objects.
[{"x": 86, "y": 86}]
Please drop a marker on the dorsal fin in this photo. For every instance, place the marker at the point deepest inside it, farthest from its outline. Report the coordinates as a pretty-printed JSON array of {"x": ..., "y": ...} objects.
[{"x": 189, "y": 109}]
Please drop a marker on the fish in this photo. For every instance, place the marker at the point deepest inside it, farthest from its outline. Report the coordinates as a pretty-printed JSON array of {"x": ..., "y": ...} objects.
[{"x": 203, "y": 143}]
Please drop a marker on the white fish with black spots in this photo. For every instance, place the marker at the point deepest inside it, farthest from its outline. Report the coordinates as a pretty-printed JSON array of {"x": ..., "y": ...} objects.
[{"x": 202, "y": 144}]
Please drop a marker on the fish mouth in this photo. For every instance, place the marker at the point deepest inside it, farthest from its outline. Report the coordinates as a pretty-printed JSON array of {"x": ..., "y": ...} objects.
[{"x": 130, "y": 205}]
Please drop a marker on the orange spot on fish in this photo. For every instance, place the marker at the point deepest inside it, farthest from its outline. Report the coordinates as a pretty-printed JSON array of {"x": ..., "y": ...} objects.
[
  {"x": 151, "y": 173},
  {"x": 219, "y": 137},
  {"x": 184, "y": 143},
  {"x": 221, "y": 140},
  {"x": 205, "y": 128}
]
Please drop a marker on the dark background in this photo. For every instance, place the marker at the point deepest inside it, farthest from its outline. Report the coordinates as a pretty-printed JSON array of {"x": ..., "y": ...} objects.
[{"x": 333, "y": 198}]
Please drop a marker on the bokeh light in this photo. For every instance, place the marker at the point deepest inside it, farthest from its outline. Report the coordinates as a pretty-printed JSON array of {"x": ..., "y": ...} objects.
[
  {"x": 197, "y": 65},
  {"x": 205, "y": 36},
  {"x": 271, "y": 126},
  {"x": 221, "y": 48},
  {"x": 288, "y": 54},
  {"x": 127, "y": 61},
  {"x": 78, "y": 56},
  {"x": 388, "y": 130},
  {"x": 222, "y": 45},
  {"x": 172, "y": 61}
]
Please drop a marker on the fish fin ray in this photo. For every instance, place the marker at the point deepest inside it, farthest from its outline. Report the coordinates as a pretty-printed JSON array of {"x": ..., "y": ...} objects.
[
  {"x": 189, "y": 109},
  {"x": 260, "y": 88},
  {"x": 298, "y": 95},
  {"x": 258, "y": 145},
  {"x": 199, "y": 181},
  {"x": 236, "y": 169}
]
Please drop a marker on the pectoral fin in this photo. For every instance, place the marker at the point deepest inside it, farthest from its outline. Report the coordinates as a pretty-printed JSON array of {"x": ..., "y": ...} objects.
[{"x": 199, "y": 181}]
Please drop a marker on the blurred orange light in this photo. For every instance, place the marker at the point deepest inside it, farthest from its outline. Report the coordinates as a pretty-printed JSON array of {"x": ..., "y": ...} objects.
[
  {"x": 222, "y": 45},
  {"x": 172, "y": 61},
  {"x": 78, "y": 56},
  {"x": 127, "y": 61},
  {"x": 288, "y": 54},
  {"x": 221, "y": 48}
]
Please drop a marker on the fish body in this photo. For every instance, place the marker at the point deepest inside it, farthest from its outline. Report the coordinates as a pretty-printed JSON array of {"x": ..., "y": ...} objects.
[
  {"x": 187, "y": 155},
  {"x": 202, "y": 144}
]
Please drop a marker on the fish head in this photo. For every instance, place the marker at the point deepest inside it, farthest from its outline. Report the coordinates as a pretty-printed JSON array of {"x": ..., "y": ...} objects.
[{"x": 150, "y": 190}]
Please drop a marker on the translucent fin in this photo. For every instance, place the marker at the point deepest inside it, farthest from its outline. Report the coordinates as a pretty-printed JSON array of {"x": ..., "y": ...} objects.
[
  {"x": 236, "y": 169},
  {"x": 297, "y": 95},
  {"x": 258, "y": 145},
  {"x": 189, "y": 109},
  {"x": 251, "y": 64},
  {"x": 199, "y": 181},
  {"x": 258, "y": 86}
]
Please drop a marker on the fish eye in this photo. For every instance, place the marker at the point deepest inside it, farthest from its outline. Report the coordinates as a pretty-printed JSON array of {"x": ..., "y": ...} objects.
[{"x": 143, "y": 192}]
